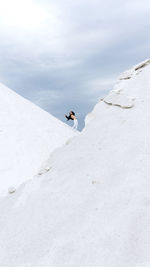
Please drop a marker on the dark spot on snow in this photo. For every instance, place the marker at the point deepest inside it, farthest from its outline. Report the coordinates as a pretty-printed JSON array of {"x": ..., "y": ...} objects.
[
  {"x": 40, "y": 173},
  {"x": 142, "y": 65},
  {"x": 125, "y": 78}
]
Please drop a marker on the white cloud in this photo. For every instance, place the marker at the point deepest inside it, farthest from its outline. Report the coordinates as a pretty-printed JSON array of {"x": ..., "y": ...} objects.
[
  {"x": 68, "y": 31},
  {"x": 21, "y": 14}
]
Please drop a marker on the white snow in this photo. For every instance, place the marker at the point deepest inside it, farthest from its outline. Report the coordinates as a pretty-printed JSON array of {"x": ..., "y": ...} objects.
[
  {"x": 90, "y": 207},
  {"x": 27, "y": 136},
  {"x": 118, "y": 99}
]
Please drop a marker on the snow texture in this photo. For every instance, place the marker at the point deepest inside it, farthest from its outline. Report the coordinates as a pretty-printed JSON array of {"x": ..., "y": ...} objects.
[
  {"x": 90, "y": 207},
  {"x": 27, "y": 136},
  {"x": 118, "y": 99},
  {"x": 11, "y": 190}
]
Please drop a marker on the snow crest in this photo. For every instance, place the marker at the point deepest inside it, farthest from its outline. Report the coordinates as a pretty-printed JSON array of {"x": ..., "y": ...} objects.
[
  {"x": 117, "y": 97},
  {"x": 28, "y": 135}
]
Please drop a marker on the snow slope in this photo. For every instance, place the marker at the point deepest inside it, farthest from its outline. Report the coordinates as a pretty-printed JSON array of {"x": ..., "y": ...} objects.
[
  {"x": 92, "y": 208},
  {"x": 27, "y": 136}
]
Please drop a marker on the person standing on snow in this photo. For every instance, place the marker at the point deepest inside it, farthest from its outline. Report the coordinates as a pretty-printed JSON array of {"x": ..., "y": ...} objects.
[{"x": 72, "y": 116}]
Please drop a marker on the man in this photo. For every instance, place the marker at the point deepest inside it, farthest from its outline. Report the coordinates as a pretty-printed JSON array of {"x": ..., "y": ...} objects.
[{"x": 72, "y": 116}]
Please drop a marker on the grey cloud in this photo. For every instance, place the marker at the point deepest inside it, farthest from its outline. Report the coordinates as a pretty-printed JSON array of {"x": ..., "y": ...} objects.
[{"x": 73, "y": 61}]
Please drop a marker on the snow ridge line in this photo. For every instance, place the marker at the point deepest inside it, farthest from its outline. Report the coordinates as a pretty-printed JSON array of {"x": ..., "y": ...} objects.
[{"x": 115, "y": 97}]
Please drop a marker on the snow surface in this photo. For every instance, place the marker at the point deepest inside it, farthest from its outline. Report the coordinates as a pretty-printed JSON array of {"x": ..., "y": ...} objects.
[
  {"x": 90, "y": 207},
  {"x": 118, "y": 99},
  {"x": 27, "y": 136}
]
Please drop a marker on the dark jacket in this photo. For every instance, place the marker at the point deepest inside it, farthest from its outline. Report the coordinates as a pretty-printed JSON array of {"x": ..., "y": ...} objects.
[{"x": 68, "y": 117}]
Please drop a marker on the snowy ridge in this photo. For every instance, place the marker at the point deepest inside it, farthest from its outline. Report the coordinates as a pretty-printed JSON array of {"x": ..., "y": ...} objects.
[
  {"x": 28, "y": 135},
  {"x": 135, "y": 70},
  {"x": 91, "y": 207},
  {"x": 117, "y": 97}
]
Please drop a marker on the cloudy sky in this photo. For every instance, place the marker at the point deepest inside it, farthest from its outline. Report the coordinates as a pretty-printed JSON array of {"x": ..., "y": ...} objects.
[{"x": 67, "y": 54}]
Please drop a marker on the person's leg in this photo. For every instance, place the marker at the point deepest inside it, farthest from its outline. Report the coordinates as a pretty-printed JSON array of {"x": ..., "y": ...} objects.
[{"x": 75, "y": 126}]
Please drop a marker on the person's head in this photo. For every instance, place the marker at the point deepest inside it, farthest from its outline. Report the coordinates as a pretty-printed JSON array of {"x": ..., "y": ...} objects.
[{"x": 72, "y": 113}]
